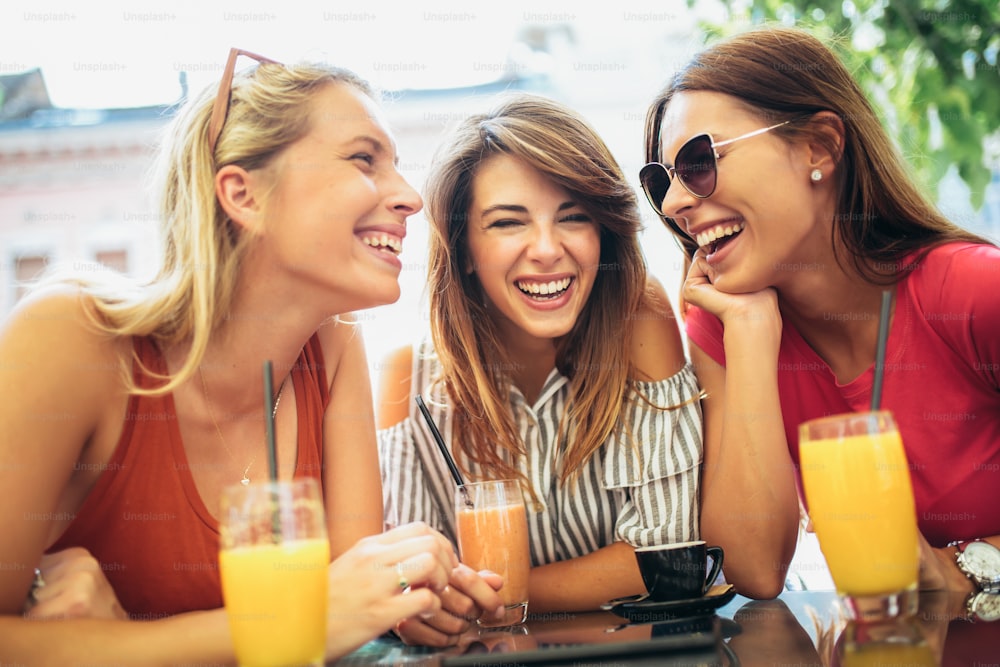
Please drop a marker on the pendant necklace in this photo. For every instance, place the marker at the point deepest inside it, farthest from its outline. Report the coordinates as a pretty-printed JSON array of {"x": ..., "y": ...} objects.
[{"x": 208, "y": 404}]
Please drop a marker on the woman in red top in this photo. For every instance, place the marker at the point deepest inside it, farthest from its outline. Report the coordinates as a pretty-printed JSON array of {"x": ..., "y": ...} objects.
[
  {"x": 135, "y": 404},
  {"x": 773, "y": 170}
]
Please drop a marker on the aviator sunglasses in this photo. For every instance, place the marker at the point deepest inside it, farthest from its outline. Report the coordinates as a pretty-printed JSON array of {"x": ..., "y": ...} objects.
[
  {"x": 696, "y": 166},
  {"x": 222, "y": 98}
]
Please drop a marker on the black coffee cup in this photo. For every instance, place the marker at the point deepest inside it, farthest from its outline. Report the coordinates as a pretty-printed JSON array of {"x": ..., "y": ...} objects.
[{"x": 678, "y": 571}]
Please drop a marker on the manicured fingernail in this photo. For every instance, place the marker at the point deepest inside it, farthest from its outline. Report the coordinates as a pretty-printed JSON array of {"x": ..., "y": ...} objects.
[{"x": 499, "y": 613}]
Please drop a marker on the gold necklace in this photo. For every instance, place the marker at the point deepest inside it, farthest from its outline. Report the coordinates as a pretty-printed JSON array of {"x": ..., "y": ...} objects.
[{"x": 208, "y": 404}]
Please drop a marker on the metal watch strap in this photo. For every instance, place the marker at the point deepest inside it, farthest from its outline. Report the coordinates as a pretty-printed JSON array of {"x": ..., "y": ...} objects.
[
  {"x": 970, "y": 606},
  {"x": 960, "y": 564},
  {"x": 979, "y": 602},
  {"x": 988, "y": 586},
  {"x": 970, "y": 603}
]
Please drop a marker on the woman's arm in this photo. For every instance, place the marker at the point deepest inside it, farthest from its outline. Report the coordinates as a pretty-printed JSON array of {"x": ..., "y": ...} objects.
[
  {"x": 60, "y": 420},
  {"x": 194, "y": 638},
  {"x": 63, "y": 391},
  {"x": 586, "y": 582},
  {"x": 353, "y": 486},
  {"x": 749, "y": 502},
  {"x": 656, "y": 349},
  {"x": 393, "y": 401},
  {"x": 939, "y": 569},
  {"x": 364, "y": 600}
]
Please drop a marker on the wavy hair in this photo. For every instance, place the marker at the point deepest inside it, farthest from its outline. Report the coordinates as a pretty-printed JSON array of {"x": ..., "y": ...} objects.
[
  {"x": 202, "y": 247},
  {"x": 787, "y": 74},
  {"x": 594, "y": 355}
]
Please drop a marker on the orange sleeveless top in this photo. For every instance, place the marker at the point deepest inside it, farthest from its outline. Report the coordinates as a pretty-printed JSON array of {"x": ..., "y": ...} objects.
[{"x": 144, "y": 520}]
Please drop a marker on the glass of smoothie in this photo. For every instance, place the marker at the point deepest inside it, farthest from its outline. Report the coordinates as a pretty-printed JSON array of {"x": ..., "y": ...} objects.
[
  {"x": 273, "y": 561},
  {"x": 493, "y": 535},
  {"x": 860, "y": 499}
]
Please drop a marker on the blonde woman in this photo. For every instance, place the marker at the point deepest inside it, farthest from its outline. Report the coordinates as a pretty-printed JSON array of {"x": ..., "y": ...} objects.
[
  {"x": 552, "y": 360},
  {"x": 282, "y": 208}
]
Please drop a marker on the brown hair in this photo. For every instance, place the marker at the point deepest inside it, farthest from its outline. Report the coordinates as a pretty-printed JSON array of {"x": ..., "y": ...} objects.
[
  {"x": 595, "y": 354},
  {"x": 787, "y": 74}
]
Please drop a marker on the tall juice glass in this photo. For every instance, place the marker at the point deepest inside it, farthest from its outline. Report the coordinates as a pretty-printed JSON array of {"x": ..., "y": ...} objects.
[
  {"x": 273, "y": 560},
  {"x": 493, "y": 535},
  {"x": 857, "y": 488}
]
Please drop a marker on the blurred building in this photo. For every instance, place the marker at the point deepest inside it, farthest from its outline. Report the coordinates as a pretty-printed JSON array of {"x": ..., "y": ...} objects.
[
  {"x": 74, "y": 184},
  {"x": 71, "y": 185}
]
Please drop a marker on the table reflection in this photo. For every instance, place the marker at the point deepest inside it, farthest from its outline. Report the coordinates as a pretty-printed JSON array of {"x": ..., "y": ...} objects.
[
  {"x": 769, "y": 634},
  {"x": 899, "y": 642},
  {"x": 799, "y": 628}
]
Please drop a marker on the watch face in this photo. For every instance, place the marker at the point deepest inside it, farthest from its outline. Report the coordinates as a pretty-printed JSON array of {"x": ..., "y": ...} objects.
[
  {"x": 985, "y": 606},
  {"x": 982, "y": 560}
]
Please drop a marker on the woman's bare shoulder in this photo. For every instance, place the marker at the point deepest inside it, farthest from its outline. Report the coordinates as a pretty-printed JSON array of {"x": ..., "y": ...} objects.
[
  {"x": 657, "y": 351},
  {"x": 69, "y": 371},
  {"x": 57, "y": 324},
  {"x": 395, "y": 371}
]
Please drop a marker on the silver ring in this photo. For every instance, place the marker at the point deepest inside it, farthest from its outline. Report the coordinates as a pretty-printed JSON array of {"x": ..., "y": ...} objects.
[
  {"x": 36, "y": 584},
  {"x": 403, "y": 583}
]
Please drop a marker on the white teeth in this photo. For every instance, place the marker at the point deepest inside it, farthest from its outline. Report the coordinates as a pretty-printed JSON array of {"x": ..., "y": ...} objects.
[
  {"x": 544, "y": 289},
  {"x": 719, "y": 232},
  {"x": 384, "y": 241}
]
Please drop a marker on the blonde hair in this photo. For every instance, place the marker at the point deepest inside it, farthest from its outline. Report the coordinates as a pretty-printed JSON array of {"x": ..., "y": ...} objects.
[
  {"x": 202, "y": 248},
  {"x": 595, "y": 354}
]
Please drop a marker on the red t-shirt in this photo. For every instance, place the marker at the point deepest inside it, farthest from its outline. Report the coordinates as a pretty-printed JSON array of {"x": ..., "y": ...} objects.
[
  {"x": 942, "y": 383},
  {"x": 144, "y": 520}
]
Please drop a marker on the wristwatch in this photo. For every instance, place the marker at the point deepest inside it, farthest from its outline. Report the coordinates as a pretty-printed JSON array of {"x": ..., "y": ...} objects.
[
  {"x": 980, "y": 561},
  {"x": 983, "y": 606}
]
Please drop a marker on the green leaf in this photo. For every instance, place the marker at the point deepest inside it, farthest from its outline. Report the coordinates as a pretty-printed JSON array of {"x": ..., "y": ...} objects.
[{"x": 922, "y": 64}]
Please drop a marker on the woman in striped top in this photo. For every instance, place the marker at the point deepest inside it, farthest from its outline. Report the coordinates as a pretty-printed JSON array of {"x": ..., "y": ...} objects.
[{"x": 552, "y": 359}]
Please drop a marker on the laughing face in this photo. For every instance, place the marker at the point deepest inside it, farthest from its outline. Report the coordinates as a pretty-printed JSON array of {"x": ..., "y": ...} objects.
[
  {"x": 764, "y": 215},
  {"x": 533, "y": 247},
  {"x": 337, "y": 212}
]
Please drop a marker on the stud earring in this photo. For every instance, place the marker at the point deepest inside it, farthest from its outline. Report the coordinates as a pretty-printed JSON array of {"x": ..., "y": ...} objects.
[{"x": 816, "y": 175}]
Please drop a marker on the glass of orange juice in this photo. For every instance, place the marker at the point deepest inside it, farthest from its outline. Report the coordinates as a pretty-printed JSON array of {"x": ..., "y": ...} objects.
[
  {"x": 860, "y": 499},
  {"x": 273, "y": 560},
  {"x": 493, "y": 535}
]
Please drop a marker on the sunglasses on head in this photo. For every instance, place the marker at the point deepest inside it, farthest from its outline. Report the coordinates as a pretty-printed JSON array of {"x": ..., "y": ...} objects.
[
  {"x": 221, "y": 107},
  {"x": 696, "y": 167}
]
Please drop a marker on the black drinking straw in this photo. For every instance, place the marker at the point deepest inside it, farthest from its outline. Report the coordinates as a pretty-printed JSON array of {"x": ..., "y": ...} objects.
[
  {"x": 272, "y": 454},
  {"x": 455, "y": 473},
  {"x": 272, "y": 451},
  {"x": 883, "y": 335}
]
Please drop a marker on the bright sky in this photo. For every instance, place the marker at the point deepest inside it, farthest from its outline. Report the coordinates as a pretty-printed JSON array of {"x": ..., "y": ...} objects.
[{"x": 105, "y": 53}]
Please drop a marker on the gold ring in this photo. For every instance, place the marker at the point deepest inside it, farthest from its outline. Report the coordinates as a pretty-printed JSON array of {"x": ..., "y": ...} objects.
[{"x": 403, "y": 583}]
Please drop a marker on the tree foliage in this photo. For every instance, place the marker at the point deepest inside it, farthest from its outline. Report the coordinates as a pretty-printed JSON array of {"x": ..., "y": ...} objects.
[{"x": 929, "y": 66}]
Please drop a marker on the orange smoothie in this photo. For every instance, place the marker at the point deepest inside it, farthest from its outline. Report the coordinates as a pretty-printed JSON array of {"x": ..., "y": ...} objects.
[
  {"x": 861, "y": 503},
  {"x": 496, "y": 538},
  {"x": 275, "y": 598}
]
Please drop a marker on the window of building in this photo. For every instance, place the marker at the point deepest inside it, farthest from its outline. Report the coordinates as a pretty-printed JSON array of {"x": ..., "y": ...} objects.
[
  {"x": 26, "y": 269},
  {"x": 116, "y": 260}
]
